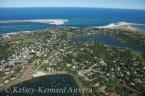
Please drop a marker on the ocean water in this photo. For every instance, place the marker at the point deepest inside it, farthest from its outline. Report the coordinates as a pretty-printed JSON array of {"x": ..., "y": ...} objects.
[{"x": 81, "y": 17}]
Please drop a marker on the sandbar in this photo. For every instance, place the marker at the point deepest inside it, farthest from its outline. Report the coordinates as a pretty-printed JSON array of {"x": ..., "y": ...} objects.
[{"x": 50, "y": 21}]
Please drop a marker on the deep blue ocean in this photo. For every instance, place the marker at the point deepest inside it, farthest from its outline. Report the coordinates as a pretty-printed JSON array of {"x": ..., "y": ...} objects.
[
  {"x": 82, "y": 17},
  {"x": 77, "y": 17}
]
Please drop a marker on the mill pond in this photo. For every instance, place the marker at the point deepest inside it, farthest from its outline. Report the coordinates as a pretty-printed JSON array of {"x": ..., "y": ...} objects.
[{"x": 52, "y": 85}]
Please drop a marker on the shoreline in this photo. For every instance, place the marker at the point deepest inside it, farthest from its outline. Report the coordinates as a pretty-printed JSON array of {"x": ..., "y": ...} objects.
[
  {"x": 49, "y": 21},
  {"x": 43, "y": 73},
  {"x": 39, "y": 74},
  {"x": 110, "y": 26},
  {"x": 120, "y": 25}
]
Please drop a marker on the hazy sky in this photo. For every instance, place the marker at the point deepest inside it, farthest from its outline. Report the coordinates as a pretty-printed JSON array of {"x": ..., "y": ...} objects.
[{"x": 129, "y": 4}]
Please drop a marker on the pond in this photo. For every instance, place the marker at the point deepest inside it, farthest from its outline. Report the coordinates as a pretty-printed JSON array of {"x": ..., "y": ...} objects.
[
  {"x": 52, "y": 85},
  {"x": 111, "y": 41}
]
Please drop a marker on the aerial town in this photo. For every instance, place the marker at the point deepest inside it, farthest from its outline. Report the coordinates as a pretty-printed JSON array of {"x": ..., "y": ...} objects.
[{"x": 108, "y": 70}]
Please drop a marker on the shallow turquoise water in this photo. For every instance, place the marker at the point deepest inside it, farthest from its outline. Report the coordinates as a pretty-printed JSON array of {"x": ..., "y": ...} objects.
[{"x": 81, "y": 17}]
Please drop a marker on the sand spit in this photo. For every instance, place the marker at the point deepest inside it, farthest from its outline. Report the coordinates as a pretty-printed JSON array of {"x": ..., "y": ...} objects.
[{"x": 50, "y": 21}]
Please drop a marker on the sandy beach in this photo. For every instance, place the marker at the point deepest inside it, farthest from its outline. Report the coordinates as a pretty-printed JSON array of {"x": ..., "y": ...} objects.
[
  {"x": 39, "y": 73},
  {"x": 50, "y": 21},
  {"x": 120, "y": 25}
]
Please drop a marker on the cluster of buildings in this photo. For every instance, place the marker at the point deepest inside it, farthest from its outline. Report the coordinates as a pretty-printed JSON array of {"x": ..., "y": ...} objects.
[{"x": 59, "y": 53}]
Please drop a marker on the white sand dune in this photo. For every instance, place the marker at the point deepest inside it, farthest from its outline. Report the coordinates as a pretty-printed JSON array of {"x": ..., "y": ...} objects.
[
  {"x": 50, "y": 21},
  {"x": 39, "y": 73},
  {"x": 120, "y": 25}
]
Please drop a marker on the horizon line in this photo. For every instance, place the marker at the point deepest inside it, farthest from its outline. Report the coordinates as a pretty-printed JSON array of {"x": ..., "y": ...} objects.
[{"x": 80, "y": 7}]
